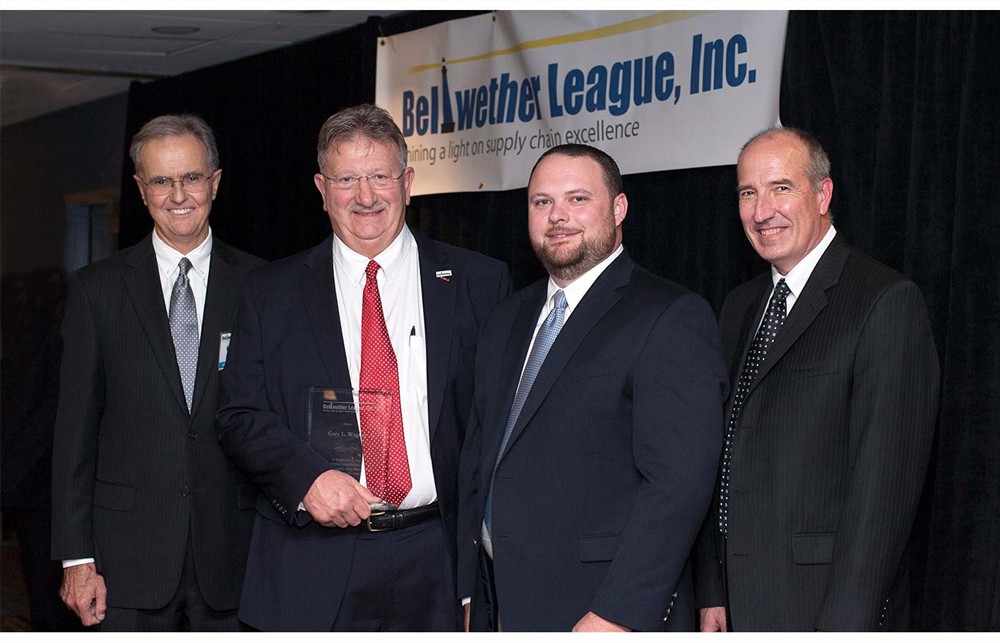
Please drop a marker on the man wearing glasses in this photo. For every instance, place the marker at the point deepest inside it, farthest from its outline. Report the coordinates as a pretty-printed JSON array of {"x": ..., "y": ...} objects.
[
  {"x": 151, "y": 520},
  {"x": 358, "y": 532}
]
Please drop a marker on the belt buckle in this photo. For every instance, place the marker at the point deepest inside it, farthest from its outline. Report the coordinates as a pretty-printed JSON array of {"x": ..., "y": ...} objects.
[{"x": 368, "y": 522}]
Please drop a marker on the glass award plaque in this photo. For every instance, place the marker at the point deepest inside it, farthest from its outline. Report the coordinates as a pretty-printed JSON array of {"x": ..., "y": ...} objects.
[{"x": 333, "y": 428}]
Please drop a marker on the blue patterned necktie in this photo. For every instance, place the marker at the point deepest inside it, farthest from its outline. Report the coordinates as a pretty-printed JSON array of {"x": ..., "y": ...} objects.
[
  {"x": 543, "y": 342},
  {"x": 774, "y": 318},
  {"x": 184, "y": 328}
]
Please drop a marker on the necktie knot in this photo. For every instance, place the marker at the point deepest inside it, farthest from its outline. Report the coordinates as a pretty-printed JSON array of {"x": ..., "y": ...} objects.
[
  {"x": 371, "y": 271},
  {"x": 781, "y": 290},
  {"x": 182, "y": 268},
  {"x": 559, "y": 300}
]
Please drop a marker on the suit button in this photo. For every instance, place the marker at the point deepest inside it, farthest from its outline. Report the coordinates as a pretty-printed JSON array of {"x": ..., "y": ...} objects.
[
  {"x": 185, "y": 492},
  {"x": 192, "y": 435}
]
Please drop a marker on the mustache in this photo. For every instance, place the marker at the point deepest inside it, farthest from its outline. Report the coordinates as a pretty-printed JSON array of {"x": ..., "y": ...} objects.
[{"x": 561, "y": 230}]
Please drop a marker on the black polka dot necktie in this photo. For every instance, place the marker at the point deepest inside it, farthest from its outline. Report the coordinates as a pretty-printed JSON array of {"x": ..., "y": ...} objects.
[
  {"x": 387, "y": 468},
  {"x": 774, "y": 318},
  {"x": 184, "y": 328}
]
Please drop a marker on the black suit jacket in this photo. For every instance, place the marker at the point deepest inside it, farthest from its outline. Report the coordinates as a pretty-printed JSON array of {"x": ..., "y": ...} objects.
[
  {"x": 289, "y": 339},
  {"x": 133, "y": 472},
  {"x": 830, "y": 453},
  {"x": 609, "y": 470}
]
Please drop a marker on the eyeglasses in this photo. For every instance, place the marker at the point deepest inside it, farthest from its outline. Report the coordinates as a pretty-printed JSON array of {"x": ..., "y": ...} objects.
[
  {"x": 192, "y": 183},
  {"x": 377, "y": 181}
]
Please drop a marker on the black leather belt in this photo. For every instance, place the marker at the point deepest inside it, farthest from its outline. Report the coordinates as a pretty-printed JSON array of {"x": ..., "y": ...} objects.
[{"x": 400, "y": 519}]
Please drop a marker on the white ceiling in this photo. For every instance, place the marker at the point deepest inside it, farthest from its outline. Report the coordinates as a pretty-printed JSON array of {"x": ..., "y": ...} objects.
[{"x": 50, "y": 60}]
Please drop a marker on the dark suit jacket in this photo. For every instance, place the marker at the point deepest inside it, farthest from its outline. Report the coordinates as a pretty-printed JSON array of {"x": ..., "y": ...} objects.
[
  {"x": 609, "y": 470},
  {"x": 289, "y": 339},
  {"x": 133, "y": 472},
  {"x": 830, "y": 454}
]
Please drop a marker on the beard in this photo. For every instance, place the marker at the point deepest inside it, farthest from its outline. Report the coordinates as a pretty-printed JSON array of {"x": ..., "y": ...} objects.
[{"x": 566, "y": 263}]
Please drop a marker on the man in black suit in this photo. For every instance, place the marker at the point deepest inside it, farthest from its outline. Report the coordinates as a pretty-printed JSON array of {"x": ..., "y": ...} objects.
[
  {"x": 386, "y": 312},
  {"x": 150, "y": 519},
  {"x": 591, "y": 458},
  {"x": 831, "y": 420}
]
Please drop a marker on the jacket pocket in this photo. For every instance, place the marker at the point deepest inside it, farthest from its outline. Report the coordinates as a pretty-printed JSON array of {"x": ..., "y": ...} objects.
[
  {"x": 586, "y": 372},
  {"x": 598, "y": 548},
  {"x": 114, "y": 497},
  {"x": 814, "y": 368},
  {"x": 812, "y": 549}
]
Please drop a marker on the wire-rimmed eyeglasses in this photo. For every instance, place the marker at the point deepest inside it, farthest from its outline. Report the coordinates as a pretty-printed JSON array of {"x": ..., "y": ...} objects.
[
  {"x": 192, "y": 183},
  {"x": 377, "y": 181}
]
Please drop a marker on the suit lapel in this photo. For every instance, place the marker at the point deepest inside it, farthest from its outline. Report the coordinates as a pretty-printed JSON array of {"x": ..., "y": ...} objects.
[
  {"x": 603, "y": 294},
  {"x": 807, "y": 306},
  {"x": 320, "y": 298},
  {"x": 439, "y": 323},
  {"x": 223, "y": 289},
  {"x": 146, "y": 293},
  {"x": 751, "y": 317}
]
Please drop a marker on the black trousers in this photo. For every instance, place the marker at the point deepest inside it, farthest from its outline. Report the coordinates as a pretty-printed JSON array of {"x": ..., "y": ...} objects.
[
  {"x": 187, "y": 611},
  {"x": 401, "y": 581}
]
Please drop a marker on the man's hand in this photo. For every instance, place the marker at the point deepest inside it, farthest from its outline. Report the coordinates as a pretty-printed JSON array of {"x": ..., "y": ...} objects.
[
  {"x": 84, "y": 592},
  {"x": 467, "y": 609},
  {"x": 335, "y": 499},
  {"x": 712, "y": 619},
  {"x": 593, "y": 623}
]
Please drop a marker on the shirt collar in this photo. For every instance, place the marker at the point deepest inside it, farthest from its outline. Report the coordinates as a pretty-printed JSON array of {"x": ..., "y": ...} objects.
[
  {"x": 798, "y": 276},
  {"x": 576, "y": 290},
  {"x": 167, "y": 258},
  {"x": 392, "y": 260}
]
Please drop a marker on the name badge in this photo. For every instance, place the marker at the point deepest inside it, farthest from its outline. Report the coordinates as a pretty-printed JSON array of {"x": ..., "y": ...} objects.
[{"x": 223, "y": 348}]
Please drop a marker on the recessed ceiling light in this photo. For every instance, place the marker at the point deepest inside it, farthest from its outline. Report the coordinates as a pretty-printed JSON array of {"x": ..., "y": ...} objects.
[{"x": 176, "y": 30}]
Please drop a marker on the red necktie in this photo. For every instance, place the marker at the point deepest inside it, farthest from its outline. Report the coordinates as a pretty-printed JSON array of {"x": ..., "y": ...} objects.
[{"x": 387, "y": 469}]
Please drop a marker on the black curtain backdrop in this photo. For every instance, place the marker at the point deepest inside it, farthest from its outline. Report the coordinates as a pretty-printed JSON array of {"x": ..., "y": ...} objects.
[{"x": 906, "y": 104}]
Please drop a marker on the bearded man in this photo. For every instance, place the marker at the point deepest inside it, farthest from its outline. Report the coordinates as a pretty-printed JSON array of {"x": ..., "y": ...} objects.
[{"x": 596, "y": 429}]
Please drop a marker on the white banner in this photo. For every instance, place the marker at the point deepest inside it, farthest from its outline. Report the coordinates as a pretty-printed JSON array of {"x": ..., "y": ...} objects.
[{"x": 480, "y": 99}]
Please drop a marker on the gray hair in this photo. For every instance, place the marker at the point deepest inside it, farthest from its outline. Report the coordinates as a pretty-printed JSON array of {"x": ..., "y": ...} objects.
[
  {"x": 818, "y": 168},
  {"x": 368, "y": 121},
  {"x": 174, "y": 125}
]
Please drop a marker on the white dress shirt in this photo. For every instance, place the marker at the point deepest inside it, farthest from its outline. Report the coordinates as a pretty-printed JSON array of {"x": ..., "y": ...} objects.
[
  {"x": 798, "y": 276},
  {"x": 402, "y": 304},
  {"x": 167, "y": 259},
  {"x": 574, "y": 292}
]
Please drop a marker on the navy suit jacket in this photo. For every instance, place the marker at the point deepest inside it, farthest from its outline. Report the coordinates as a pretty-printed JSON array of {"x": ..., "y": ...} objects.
[
  {"x": 609, "y": 470},
  {"x": 288, "y": 339},
  {"x": 830, "y": 453},
  {"x": 133, "y": 473}
]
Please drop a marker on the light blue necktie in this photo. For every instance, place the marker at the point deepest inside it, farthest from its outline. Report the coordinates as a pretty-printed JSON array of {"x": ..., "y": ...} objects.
[
  {"x": 543, "y": 342},
  {"x": 184, "y": 328}
]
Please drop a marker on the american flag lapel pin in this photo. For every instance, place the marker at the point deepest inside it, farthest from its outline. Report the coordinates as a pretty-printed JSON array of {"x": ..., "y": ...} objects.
[{"x": 443, "y": 275}]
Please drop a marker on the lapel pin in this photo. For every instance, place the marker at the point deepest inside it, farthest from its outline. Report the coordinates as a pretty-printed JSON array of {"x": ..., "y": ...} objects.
[{"x": 443, "y": 275}]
